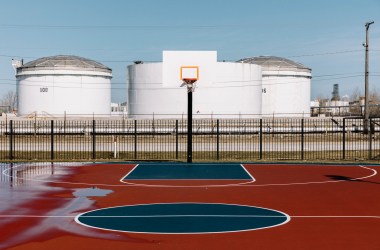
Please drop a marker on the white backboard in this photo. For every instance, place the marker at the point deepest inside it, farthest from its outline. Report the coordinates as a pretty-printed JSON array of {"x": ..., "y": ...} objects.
[{"x": 178, "y": 65}]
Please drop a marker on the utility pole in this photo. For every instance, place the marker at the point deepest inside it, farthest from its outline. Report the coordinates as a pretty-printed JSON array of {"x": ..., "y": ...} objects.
[{"x": 366, "y": 111}]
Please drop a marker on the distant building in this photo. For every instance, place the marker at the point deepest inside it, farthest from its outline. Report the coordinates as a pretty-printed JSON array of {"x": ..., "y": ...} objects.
[
  {"x": 119, "y": 109},
  {"x": 325, "y": 107},
  {"x": 335, "y": 93}
]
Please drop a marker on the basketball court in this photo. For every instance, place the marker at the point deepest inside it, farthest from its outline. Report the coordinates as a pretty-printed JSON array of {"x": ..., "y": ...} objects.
[{"x": 163, "y": 205}]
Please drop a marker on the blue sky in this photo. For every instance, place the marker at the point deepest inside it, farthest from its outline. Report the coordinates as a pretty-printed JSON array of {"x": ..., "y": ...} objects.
[{"x": 326, "y": 36}]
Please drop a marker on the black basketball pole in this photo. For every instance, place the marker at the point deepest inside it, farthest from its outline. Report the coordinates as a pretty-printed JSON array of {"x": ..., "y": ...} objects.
[{"x": 189, "y": 125}]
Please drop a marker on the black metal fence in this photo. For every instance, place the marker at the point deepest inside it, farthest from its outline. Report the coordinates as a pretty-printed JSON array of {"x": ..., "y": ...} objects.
[{"x": 246, "y": 140}]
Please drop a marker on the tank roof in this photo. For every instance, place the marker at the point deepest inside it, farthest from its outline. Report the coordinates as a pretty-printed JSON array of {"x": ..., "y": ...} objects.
[
  {"x": 63, "y": 62},
  {"x": 276, "y": 63}
]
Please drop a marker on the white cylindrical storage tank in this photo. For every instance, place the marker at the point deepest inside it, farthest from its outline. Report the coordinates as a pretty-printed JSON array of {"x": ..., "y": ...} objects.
[
  {"x": 285, "y": 86},
  {"x": 236, "y": 92},
  {"x": 61, "y": 85}
]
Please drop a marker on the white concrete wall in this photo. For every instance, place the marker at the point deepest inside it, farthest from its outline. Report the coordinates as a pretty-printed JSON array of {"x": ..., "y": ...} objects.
[
  {"x": 173, "y": 61},
  {"x": 236, "y": 90}
]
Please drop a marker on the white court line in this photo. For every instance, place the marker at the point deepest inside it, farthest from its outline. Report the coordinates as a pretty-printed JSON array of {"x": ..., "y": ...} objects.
[
  {"x": 253, "y": 179},
  {"x": 216, "y": 232},
  {"x": 5, "y": 172},
  {"x": 125, "y": 176},
  {"x": 184, "y": 215},
  {"x": 317, "y": 182},
  {"x": 260, "y": 185},
  {"x": 190, "y": 186},
  {"x": 336, "y": 216},
  {"x": 35, "y": 216}
]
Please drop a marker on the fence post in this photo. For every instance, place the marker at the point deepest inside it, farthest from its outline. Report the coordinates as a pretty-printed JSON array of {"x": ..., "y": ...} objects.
[
  {"x": 261, "y": 139},
  {"x": 217, "y": 139},
  {"x": 93, "y": 140},
  {"x": 6, "y": 122},
  {"x": 344, "y": 139},
  {"x": 135, "y": 140},
  {"x": 370, "y": 140},
  {"x": 302, "y": 139},
  {"x": 176, "y": 139},
  {"x": 11, "y": 140},
  {"x": 52, "y": 140}
]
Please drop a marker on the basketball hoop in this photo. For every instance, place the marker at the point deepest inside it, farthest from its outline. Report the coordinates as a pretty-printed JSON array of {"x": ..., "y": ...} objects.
[{"x": 191, "y": 84}]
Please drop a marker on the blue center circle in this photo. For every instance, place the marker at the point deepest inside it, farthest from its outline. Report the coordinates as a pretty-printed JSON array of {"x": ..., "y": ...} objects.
[{"x": 182, "y": 218}]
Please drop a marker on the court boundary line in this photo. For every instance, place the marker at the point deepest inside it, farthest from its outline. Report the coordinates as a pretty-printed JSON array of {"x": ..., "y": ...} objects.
[
  {"x": 132, "y": 216},
  {"x": 5, "y": 173},
  {"x": 318, "y": 182},
  {"x": 263, "y": 185}
]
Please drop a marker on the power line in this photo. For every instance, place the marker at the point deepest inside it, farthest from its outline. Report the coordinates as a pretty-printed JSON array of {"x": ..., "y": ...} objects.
[
  {"x": 227, "y": 60},
  {"x": 339, "y": 74},
  {"x": 163, "y": 88},
  {"x": 343, "y": 76},
  {"x": 115, "y": 27},
  {"x": 66, "y": 82},
  {"x": 15, "y": 56},
  {"x": 327, "y": 53}
]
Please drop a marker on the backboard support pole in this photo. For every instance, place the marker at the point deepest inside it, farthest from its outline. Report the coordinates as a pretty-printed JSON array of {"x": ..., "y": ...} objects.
[
  {"x": 189, "y": 126},
  {"x": 190, "y": 84}
]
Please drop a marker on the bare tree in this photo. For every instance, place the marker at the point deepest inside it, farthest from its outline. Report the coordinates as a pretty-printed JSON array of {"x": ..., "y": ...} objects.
[
  {"x": 374, "y": 96},
  {"x": 10, "y": 99},
  {"x": 355, "y": 108},
  {"x": 374, "y": 102},
  {"x": 321, "y": 97},
  {"x": 355, "y": 95}
]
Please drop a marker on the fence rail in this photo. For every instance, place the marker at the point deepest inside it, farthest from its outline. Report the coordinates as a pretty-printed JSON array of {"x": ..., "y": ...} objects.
[{"x": 213, "y": 140}]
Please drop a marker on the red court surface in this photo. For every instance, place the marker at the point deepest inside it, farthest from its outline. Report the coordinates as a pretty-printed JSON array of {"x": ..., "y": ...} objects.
[{"x": 330, "y": 207}]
